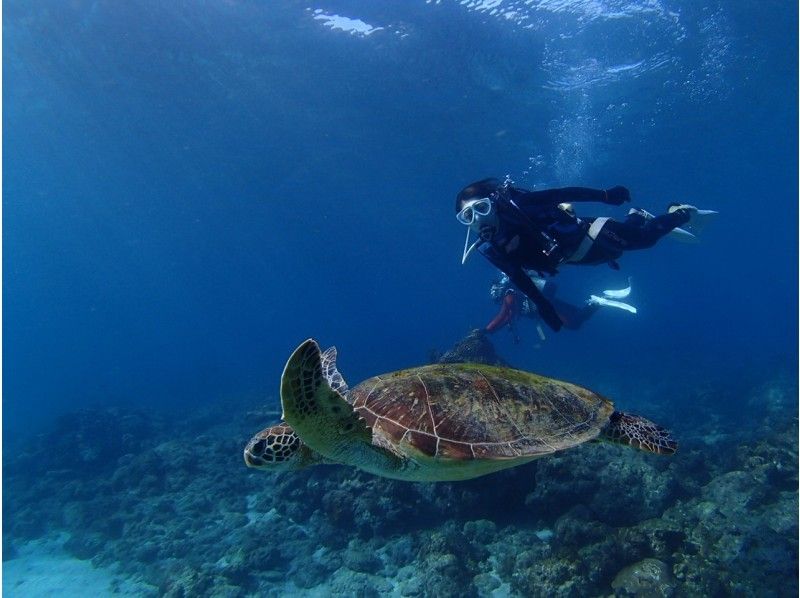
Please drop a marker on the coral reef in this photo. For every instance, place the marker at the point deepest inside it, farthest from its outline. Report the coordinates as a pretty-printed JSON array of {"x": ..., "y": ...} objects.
[
  {"x": 475, "y": 347},
  {"x": 173, "y": 505}
]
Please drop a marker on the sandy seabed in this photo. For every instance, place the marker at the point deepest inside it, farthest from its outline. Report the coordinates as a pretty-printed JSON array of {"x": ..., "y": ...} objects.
[{"x": 43, "y": 568}]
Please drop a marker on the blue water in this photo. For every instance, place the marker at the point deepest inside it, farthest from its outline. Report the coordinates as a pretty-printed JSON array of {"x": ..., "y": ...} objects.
[{"x": 191, "y": 189}]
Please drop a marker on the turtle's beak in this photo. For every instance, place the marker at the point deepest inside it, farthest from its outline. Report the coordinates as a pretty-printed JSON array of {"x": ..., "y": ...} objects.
[{"x": 251, "y": 459}]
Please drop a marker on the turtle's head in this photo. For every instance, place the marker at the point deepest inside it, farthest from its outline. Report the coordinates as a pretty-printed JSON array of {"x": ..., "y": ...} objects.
[{"x": 278, "y": 448}]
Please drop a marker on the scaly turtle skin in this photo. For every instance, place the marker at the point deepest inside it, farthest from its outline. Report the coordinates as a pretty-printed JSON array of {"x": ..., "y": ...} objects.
[{"x": 437, "y": 422}]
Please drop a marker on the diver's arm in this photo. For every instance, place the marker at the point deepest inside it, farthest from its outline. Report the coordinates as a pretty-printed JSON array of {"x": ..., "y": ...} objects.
[
  {"x": 614, "y": 196},
  {"x": 504, "y": 316},
  {"x": 524, "y": 283},
  {"x": 546, "y": 310}
]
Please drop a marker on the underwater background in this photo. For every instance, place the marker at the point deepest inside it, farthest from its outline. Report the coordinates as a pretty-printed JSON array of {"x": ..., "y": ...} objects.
[{"x": 191, "y": 189}]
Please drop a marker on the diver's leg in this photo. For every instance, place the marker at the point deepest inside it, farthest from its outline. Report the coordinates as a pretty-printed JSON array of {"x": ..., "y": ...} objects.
[
  {"x": 627, "y": 235},
  {"x": 574, "y": 317},
  {"x": 657, "y": 227},
  {"x": 637, "y": 217}
]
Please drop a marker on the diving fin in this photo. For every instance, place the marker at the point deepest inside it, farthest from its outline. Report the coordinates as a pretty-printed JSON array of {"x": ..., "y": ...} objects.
[
  {"x": 683, "y": 236},
  {"x": 701, "y": 219},
  {"x": 618, "y": 294},
  {"x": 595, "y": 300},
  {"x": 698, "y": 219}
]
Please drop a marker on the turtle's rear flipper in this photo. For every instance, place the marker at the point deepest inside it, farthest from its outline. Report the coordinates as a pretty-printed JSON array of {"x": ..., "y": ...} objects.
[{"x": 640, "y": 433}]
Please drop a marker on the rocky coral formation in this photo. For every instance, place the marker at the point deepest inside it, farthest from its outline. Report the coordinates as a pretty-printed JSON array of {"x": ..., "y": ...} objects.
[
  {"x": 176, "y": 507},
  {"x": 475, "y": 347}
]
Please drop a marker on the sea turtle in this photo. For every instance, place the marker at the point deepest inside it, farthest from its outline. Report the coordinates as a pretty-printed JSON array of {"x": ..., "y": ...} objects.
[{"x": 436, "y": 422}]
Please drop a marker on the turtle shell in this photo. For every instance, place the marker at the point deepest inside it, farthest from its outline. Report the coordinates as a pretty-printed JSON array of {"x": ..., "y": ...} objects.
[{"x": 474, "y": 411}]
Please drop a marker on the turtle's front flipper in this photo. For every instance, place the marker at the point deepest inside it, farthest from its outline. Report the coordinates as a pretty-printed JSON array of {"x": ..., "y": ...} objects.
[
  {"x": 319, "y": 413},
  {"x": 640, "y": 433},
  {"x": 330, "y": 372}
]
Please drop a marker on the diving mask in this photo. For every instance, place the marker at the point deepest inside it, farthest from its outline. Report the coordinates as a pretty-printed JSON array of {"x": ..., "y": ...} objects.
[
  {"x": 477, "y": 214},
  {"x": 473, "y": 210}
]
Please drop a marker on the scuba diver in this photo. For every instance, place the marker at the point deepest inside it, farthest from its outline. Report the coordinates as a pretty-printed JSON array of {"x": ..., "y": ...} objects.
[
  {"x": 513, "y": 305},
  {"x": 521, "y": 230}
]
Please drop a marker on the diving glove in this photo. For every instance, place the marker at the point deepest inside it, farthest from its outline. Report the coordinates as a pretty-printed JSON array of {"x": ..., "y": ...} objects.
[{"x": 618, "y": 195}]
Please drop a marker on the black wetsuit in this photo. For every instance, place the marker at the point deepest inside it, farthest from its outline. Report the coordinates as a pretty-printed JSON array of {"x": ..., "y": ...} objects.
[
  {"x": 535, "y": 234},
  {"x": 635, "y": 232}
]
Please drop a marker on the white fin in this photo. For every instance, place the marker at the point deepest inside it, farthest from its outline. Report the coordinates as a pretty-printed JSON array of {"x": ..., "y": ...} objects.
[
  {"x": 595, "y": 300},
  {"x": 683, "y": 236},
  {"x": 620, "y": 293},
  {"x": 700, "y": 219}
]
